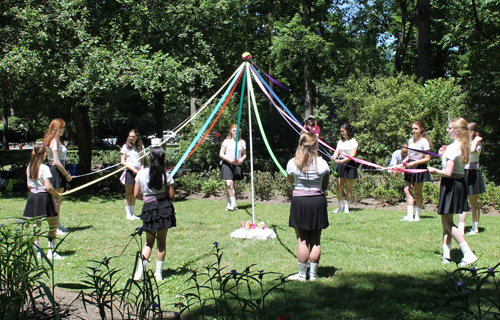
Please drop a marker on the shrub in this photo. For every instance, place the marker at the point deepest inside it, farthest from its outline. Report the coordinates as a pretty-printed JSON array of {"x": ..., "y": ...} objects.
[
  {"x": 189, "y": 182},
  {"x": 282, "y": 185},
  {"x": 263, "y": 184},
  {"x": 431, "y": 193},
  {"x": 211, "y": 183}
]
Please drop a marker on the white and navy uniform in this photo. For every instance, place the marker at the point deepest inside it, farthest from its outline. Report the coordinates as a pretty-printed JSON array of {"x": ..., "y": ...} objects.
[
  {"x": 348, "y": 170},
  {"x": 40, "y": 202},
  {"x": 309, "y": 207},
  {"x": 473, "y": 176},
  {"x": 158, "y": 211},
  {"x": 422, "y": 144},
  {"x": 453, "y": 190},
  {"x": 230, "y": 171},
  {"x": 132, "y": 158},
  {"x": 58, "y": 179}
]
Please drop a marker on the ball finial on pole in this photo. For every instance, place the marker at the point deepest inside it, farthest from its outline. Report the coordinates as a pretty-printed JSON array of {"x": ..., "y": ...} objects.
[{"x": 246, "y": 56}]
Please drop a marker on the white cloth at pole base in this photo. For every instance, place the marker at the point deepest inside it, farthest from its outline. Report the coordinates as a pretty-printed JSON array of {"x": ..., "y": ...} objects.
[{"x": 255, "y": 234}]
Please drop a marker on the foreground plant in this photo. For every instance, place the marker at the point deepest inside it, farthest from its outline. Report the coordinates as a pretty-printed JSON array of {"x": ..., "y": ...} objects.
[
  {"x": 220, "y": 293},
  {"x": 21, "y": 273},
  {"x": 473, "y": 294}
]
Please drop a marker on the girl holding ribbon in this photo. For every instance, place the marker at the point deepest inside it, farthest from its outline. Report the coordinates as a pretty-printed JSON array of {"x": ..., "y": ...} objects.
[
  {"x": 130, "y": 154},
  {"x": 309, "y": 208},
  {"x": 232, "y": 154},
  {"x": 453, "y": 189},
  {"x": 347, "y": 170},
  {"x": 474, "y": 180},
  {"x": 416, "y": 160},
  {"x": 41, "y": 202},
  {"x": 154, "y": 186},
  {"x": 57, "y": 157}
]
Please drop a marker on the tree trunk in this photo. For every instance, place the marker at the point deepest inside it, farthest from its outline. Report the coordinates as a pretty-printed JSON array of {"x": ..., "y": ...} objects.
[
  {"x": 423, "y": 17},
  {"x": 306, "y": 21},
  {"x": 5, "y": 138},
  {"x": 159, "y": 113},
  {"x": 404, "y": 37},
  {"x": 83, "y": 128},
  {"x": 192, "y": 94}
]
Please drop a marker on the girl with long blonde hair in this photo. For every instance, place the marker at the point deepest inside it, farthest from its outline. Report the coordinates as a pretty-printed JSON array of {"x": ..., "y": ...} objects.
[
  {"x": 130, "y": 158},
  {"x": 453, "y": 190},
  {"x": 309, "y": 208}
]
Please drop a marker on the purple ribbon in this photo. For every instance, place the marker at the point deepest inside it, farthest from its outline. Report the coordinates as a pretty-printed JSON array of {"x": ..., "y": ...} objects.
[{"x": 296, "y": 96}]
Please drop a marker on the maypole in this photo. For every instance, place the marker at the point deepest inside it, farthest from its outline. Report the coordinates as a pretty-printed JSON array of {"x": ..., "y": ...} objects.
[{"x": 251, "y": 230}]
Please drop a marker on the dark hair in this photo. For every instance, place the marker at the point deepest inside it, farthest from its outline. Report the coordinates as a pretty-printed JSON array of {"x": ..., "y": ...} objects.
[
  {"x": 36, "y": 160},
  {"x": 473, "y": 127},
  {"x": 138, "y": 143},
  {"x": 157, "y": 176},
  {"x": 350, "y": 133},
  {"x": 424, "y": 134}
]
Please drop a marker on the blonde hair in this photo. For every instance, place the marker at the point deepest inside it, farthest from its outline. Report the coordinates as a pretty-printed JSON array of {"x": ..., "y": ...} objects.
[
  {"x": 462, "y": 136},
  {"x": 307, "y": 151},
  {"x": 54, "y": 126}
]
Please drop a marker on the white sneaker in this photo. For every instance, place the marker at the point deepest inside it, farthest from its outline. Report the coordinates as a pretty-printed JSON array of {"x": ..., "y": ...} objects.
[
  {"x": 297, "y": 277},
  {"x": 445, "y": 260},
  {"x": 467, "y": 261},
  {"x": 158, "y": 276},
  {"x": 63, "y": 229},
  {"x": 59, "y": 232},
  {"x": 346, "y": 210},
  {"x": 406, "y": 218},
  {"x": 338, "y": 209},
  {"x": 54, "y": 255},
  {"x": 132, "y": 217},
  {"x": 230, "y": 208},
  {"x": 472, "y": 232},
  {"x": 416, "y": 219},
  {"x": 312, "y": 276}
]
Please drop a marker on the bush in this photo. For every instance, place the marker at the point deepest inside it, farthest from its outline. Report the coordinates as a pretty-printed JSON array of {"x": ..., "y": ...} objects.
[
  {"x": 282, "y": 185},
  {"x": 263, "y": 183},
  {"x": 189, "y": 182},
  {"x": 211, "y": 183}
]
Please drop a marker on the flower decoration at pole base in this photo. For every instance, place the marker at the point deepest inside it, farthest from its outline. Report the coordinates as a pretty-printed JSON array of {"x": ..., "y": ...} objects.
[
  {"x": 251, "y": 230},
  {"x": 246, "y": 56}
]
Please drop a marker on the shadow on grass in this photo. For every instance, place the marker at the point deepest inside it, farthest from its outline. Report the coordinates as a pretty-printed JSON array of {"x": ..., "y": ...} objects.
[{"x": 80, "y": 228}]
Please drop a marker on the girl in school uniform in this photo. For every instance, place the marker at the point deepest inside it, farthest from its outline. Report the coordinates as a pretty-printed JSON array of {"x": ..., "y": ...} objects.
[
  {"x": 347, "y": 170},
  {"x": 154, "y": 186},
  {"x": 130, "y": 153},
  {"x": 41, "y": 202},
  {"x": 474, "y": 180},
  {"x": 453, "y": 190},
  {"x": 416, "y": 160}
]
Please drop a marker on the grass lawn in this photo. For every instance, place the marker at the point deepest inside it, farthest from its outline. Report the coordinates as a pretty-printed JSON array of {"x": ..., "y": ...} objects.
[{"x": 372, "y": 267}]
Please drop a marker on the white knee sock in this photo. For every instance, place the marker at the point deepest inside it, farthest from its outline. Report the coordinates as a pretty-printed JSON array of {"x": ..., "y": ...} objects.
[
  {"x": 341, "y": 205},
  {"x": 417, "y": 213},
  {"x": 302, "y": 269},
  {"x": 127, "y": 211},
  {"x": 446, "y": 250},
  {"x": 159, "y": 267},
  {"x": 346, "y": 206},
  {"x": 475, "y": 226},
  {"x": 228, "y": 200},
  {"x": 312, "y": 268},
  {"x": 465, "y": 249},
  {"x": 233, "y": 201},
  {"x": 51, "y": 247},
  {"x": 409, "y": 211},
  {"x": 132, "y": 208},
  {"x": 461, "y": 227},
  {"x": 141, "y": 266}
]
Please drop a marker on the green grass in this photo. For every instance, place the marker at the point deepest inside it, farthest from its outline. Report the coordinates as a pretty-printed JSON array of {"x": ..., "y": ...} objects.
[{"x": 372, "y": 267}]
